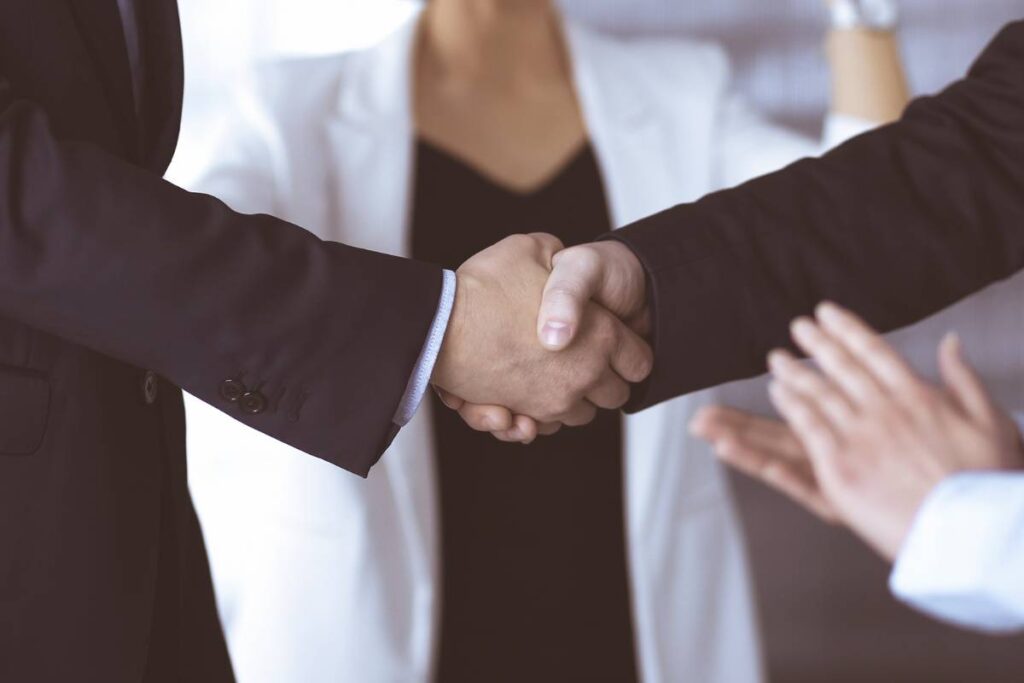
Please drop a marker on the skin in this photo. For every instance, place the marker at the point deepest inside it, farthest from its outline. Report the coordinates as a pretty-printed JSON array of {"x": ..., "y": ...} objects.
[
  {"x": 868, "y": 82},
  {"x": 495, "y": 309},
  {"x": 493, "y": 87},
  {"x": 865, "y": 439}
]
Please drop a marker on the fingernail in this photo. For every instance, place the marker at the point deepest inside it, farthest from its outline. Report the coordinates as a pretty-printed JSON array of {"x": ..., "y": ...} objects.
[
  {"x": 827, "y": 309},
  {"x": 555, "y": 333},
  {"x": 802, "y": 326},
  {"x": 725, "y": 449}
]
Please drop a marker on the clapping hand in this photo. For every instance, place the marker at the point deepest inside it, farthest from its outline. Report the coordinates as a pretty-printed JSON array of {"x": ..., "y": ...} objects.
[{"x": 865, "y": 439}]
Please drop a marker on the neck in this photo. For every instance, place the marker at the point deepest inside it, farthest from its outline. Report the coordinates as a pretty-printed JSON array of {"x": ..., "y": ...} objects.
[{"x": 493, "y": 40}]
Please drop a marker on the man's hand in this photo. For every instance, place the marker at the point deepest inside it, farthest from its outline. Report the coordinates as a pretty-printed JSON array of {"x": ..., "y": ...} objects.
[
  {"x": 490, "y": 355},
  {"x": 607, "y": 273},
  {"x": 867, "y": 439}
]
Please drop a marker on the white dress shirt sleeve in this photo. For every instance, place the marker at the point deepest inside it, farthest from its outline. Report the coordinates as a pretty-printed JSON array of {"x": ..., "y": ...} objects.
[
  {"x": 963, "y": 561},
  {"x": 420, "y": 380},
  {"x": 749, "y": 145}
]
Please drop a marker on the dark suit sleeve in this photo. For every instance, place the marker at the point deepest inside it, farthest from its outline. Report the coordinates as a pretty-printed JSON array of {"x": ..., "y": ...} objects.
[
  {"x": 111, "y": 257},
  {"x": 896, "y": 224}
]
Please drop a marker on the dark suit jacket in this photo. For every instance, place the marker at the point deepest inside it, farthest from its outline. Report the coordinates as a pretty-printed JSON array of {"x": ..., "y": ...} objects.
[
  {"x": 897, "y": 224},
  {"x": 106, "y": 271}
]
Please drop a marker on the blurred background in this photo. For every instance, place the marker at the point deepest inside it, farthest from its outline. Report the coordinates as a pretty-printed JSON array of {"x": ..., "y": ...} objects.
[
  {"x": 825, "y": 610},
  {"x": 775, "y": 46}
]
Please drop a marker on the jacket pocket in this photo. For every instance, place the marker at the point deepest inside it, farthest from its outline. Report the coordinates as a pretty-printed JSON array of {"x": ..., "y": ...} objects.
[{"x": 24, "y": 410}]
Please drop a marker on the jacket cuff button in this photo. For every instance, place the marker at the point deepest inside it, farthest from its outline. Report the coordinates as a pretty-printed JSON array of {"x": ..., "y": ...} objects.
[
  {"x": 232, "y": 390},
  {"x": 252, "y": 403}
]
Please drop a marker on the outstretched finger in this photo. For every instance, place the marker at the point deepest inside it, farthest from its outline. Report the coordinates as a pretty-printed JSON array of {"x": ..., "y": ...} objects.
[
  {"x": 759, "y": 434},
  {"x": 814, "y": 431},
  {"x": 870, "y": 349},
  {"x": 962, "y": 380},
  {"x": 793, "y": 478},
  {"x": 812, "y": 386},
  {"x": 845, "y": 370}
]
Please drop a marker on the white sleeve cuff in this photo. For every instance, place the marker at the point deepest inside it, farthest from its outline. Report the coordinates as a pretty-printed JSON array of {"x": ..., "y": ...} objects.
[
  {"x": 963, "y": 561},
  {"x": 841, "y": 127},
  {"x": 420, "y": 379}
]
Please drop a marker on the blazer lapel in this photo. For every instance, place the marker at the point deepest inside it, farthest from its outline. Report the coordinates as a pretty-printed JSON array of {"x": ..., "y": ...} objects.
[
  {"x": 162, "y": 97},
  {"x": 100, "y": 23},
  {"x": 372, "y": 138},
  {"x": 653, "y": 147}
]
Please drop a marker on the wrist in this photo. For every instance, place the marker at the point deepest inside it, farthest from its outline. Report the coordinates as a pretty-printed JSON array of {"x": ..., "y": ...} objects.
[{"x": 445, "y": 373}]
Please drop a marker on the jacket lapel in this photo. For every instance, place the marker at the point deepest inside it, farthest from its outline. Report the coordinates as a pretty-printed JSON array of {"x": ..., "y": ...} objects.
[
  {"x": 160, "y": 27},
  {"x": 100, "y": 23},
  {"x": 372, "y": 137},
  {"x": 653, "y": 147}
]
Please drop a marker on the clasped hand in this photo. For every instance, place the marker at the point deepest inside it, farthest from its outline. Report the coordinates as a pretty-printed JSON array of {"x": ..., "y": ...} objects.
[{"x": 541, "y": 337}]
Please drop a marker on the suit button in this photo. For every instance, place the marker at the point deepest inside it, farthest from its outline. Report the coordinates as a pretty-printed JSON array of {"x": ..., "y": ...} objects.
[
  {"x": 150, "y": 387},
  {"x": 252, "y": 403},
  {"x": 232, "y": 390}
]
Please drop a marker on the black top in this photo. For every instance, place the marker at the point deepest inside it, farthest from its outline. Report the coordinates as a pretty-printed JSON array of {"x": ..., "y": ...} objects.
[{"x": 535, "y": 583}]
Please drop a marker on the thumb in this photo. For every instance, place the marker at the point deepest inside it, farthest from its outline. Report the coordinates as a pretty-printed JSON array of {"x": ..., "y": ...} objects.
[
  {"x": 961, "y": 379},
  {"x": 575, "y": 277}
]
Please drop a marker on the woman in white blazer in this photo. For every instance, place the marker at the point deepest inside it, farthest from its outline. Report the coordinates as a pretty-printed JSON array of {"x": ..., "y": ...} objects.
[{"x": 322, "y": 576}]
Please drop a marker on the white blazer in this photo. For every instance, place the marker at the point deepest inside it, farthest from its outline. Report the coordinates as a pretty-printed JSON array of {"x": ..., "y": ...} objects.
[{"x": 323, "y": 576}]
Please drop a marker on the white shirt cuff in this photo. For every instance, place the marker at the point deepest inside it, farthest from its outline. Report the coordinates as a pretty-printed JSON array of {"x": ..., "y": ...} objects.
[
  {"x": 841, "y": 127},
  {"x": 420, "y": 380},
  {"x": 963, "y": 561}
]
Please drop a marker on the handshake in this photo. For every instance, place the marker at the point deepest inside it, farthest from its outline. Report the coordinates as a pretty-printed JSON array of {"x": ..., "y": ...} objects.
[{"x": 541, "y": 336}]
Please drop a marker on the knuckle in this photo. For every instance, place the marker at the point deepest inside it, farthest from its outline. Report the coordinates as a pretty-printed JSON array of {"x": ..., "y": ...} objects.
[
  {"x": 841, "y": 363},
  {"x": 834, "y": 403},
  {"x": 589, "y": 373},
  {"x": 519, "y": 242},
  {"x": 586, "y": 258},
  {"x": 615, "y": 397},
  {"x": 868, "y": 343},
  {"x": 847, "y": 473},
  {"x": 639, "y": 363},
  {"x": 921, "y": 395},
  {"x": 606, "y": 330},
  {"x": 562, "y": 289},
  {"x": 546, "y": 246},
  {"x": 562, "y": 405}
]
